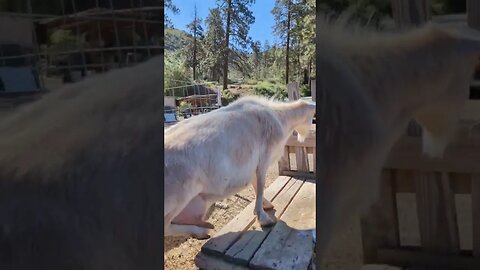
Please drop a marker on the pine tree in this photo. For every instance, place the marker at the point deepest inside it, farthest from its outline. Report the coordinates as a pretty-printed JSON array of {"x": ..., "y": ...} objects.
[
  {"x": 267, "y": 59},
  {"x": 238, "y": 18},
  {"x": 213, "y": 44},
  {"x": 169, "y": 5},
  {"x": 257, "y": 58},
  {"x": 304, "y": 32},
  {"x": 196, "y": 30},
  {"x": 283, "y": 11}
]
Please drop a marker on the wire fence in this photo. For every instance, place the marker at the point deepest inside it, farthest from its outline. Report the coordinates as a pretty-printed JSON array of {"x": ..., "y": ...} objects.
[
  {"x": 190, "y": 99},
  {"x": 41, "y": 51}
]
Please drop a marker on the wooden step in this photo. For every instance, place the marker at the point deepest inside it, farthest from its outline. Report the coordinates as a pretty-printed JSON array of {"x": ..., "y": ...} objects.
[{"x": 244, "y": 244}]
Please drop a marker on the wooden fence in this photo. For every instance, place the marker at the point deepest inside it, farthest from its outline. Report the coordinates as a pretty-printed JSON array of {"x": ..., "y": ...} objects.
[
  {"x": 433, "y": 186},
  {"x": 299, "y": 158}
]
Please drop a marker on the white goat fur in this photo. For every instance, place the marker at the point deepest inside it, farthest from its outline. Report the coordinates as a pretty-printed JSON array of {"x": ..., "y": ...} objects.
[
  {"x": 212, "y": 156},
  {"x": 369, "y": 87}
]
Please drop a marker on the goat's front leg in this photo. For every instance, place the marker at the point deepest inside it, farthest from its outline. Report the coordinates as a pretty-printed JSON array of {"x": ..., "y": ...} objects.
[{"x": 263, "y": 218}]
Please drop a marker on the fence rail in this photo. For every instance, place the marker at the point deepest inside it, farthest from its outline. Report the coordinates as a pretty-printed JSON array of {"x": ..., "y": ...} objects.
[
  {"x": 299, "y": 158},
  {"x": 433, "y": 186}
]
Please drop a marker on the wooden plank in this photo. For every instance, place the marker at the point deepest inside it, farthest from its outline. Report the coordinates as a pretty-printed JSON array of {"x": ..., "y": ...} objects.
[
  {"x": 461, "y": 183},
  {"x": 301, "y": 158},
  {"x": 476, "y": 214},
  {"x": 207, "y": 262},
  {"x": 314, "y": 160},
  {"x": 313, "y": 89},
  {"x": 297, "y": 174},
  {"x": 284, "y": 248},
  {"x": 379, "y": 226},
  {"x": 407, "y": 155},
  {"x": 436, "y": 213},
  {"x": 310, "y": 141},
  {"x": 284, "y": 162},
  {"x": 301, "y": 214},
  {"x": 244, "y": 248},
  {"x": 408, "y": 257},
  {"x": 403, "y": 181},
  {"x": 223, "y": 239}
]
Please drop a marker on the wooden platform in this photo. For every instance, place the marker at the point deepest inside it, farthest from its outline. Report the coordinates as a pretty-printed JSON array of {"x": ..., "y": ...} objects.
[{"x": 243, "y": 244}]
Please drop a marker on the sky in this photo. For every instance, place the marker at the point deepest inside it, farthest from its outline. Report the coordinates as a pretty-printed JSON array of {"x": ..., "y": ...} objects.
[{"x": 261, "y": 30}]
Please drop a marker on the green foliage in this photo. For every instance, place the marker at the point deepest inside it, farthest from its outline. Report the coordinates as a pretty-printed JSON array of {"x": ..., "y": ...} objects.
[
  {"x": 295, "y": 26},
  {"x": 185, "y": 105},
  {"x": 263, "y": 62},
  {"x": 193, "y": 50},
  {"x": 169, "y": 5},
  {"x": 175, "y": 39},
  {"x": 228, "y": 97},
  {"x": 440, "y": 7},
  {"x": 212, "y": 45},
  {"x": 237, "y": 20},
  {"x": 175, "y": 74},
  {"x": 305, "y": 90},
  {"x": 365, "y": 12},
  {"x": 269, "y": 89},
  {"x": 64, "y": 40}
]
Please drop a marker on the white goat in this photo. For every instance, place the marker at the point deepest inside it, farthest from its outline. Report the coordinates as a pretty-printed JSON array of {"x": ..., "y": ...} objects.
[
  {"x": 212, "y": 156},
  {"x": 370, "y": 87}
]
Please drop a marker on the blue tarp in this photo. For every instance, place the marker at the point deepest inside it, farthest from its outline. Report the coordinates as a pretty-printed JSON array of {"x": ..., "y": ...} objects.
[{"x": 17, "y": 80}]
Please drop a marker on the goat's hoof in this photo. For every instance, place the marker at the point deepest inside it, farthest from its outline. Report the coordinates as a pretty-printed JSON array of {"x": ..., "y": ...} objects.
[
  {"x": 201, "y": 233},
  {"x": 267, "y": 221},
  {"x": 201, "y": 237},
  {"x": 207, "y": 225}
]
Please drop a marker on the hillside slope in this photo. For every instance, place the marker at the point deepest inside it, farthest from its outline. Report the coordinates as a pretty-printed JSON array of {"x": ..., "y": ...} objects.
[{"x": 175, "y": 39}]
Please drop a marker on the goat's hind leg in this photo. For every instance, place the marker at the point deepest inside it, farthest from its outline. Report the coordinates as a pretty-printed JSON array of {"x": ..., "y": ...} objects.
[
  {"x": 263, "y": 218},
  {"x": 194, "y": 213},
  {"x": 267, "y": 205},
  {"x": 198, "y": 232}
]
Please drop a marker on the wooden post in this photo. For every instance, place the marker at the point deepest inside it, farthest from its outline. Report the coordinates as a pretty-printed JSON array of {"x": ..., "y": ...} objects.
[
  {"x": 473, "y": 14},
  {"x": 476, "y": 213},
  {"x": 436, "y": 213},
  {"x": 300, "y": 152},
  {"x": 284, "y": 162},
  {"x": 313, "y": 88},
  {"x": 379, "y": 226},
  {"x": 293, "y": 92},
  {"x": 411, "y": 13}
]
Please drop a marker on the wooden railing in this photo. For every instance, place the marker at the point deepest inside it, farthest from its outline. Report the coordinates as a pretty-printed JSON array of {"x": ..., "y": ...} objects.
[
  {"x": 433, "y": 189},
  {"x": 299, "y": 158}
]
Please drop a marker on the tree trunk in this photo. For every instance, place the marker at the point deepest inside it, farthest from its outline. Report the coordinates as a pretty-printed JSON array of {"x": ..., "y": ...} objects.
[
  {"x": 227, "y": 42},
  {"x": 288, "y": 42},
  {"x": 411, "y": 13},
  {"x": 195, "y": 53}
]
